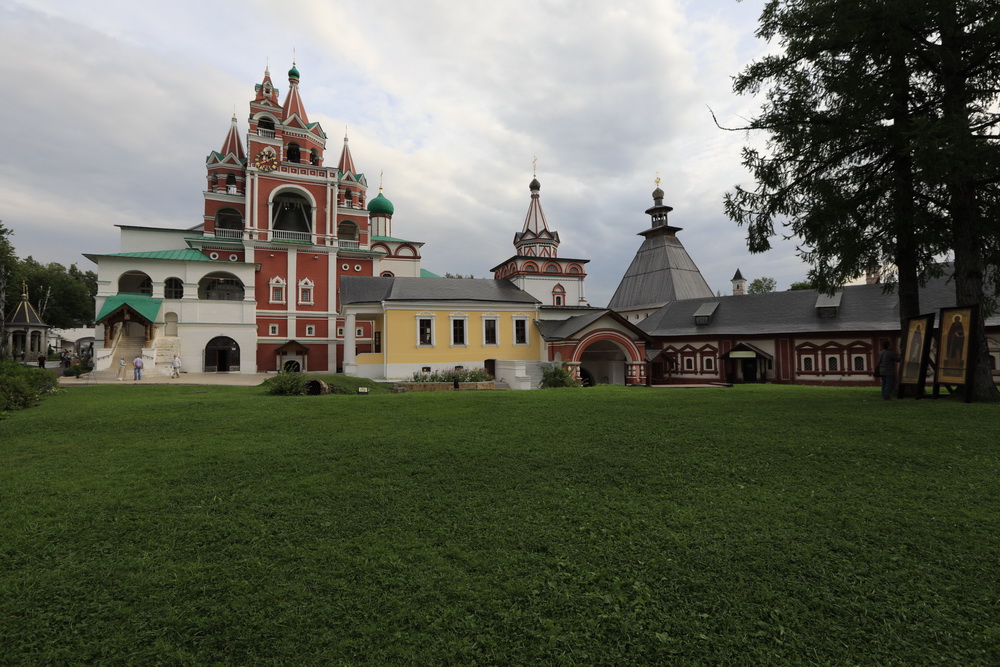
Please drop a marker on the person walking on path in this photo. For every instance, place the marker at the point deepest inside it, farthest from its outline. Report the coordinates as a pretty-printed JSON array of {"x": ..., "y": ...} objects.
[
  {"x": 175, "y": 367},
  {"x": 121, "y": 368},
  {"x": 886, "y": 369},
  {"x": 137, "y": 368}
]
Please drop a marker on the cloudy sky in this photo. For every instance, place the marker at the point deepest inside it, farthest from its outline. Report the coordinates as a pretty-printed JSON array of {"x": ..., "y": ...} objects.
[{"x": 112, "y": 107}]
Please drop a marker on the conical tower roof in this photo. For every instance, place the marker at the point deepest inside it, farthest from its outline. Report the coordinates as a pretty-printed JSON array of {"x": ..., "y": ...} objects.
[
  {"x": 346, "y": 164},
  {"x": 535, "y": 230},
  {"x": 233, "y": 145},
  {"x": 661, "y": 271}
]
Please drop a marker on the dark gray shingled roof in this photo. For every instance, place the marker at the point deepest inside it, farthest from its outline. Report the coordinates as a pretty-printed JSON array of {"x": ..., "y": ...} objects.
[
  {"x": 862, "y": 308},
  {"x": 563, "y": 329},
  {"x": 661, "y": 271},
  {"x": 358, "y": 289}
]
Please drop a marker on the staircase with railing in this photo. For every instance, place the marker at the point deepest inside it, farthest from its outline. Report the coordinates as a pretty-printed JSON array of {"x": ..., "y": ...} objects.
[{"x": 129, "y": 347}]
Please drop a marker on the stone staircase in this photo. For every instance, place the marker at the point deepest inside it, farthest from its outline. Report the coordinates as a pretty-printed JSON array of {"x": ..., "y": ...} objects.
[{"x": 129, "y": 347}]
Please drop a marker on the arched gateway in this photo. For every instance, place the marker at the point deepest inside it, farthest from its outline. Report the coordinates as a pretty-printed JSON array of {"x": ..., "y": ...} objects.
[{"x": 222, "y": 355}]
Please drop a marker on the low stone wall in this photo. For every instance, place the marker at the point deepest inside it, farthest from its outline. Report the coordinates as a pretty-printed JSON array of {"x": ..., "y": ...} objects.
[{"x": 404, "y": 387}]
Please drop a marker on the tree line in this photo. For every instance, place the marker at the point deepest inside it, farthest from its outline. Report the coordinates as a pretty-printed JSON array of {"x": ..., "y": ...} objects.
[{"x": 63, "y": 297}]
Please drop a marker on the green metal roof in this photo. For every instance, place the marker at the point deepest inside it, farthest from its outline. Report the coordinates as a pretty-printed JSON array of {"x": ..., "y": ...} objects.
[
  {"x": 182, "y": 254},
  {"x": 143, "y": 304},
  {"x": 393, "y": 239},
  {"x": 424, "y": 273}
]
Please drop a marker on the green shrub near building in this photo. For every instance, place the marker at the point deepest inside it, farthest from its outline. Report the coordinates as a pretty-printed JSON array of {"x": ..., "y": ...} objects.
[{"x": 22, "y": 386}]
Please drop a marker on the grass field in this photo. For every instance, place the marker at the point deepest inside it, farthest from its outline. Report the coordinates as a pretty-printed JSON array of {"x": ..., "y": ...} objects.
[{"x": 752, "y": 525}]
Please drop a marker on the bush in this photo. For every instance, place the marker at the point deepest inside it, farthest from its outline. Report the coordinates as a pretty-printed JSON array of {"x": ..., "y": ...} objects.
[
  {"x": 451, "y": 375},
  {"x": 286, "y": 383},
  {"x": 21, "y": 386},
  {"x": 557, "y": 376}
]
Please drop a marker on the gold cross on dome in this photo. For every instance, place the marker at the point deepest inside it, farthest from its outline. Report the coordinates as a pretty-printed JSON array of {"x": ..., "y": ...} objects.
[{"x": 534, "y": 167}]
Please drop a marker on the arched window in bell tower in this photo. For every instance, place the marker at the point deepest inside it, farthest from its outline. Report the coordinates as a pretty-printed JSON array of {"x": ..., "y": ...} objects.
[
  {"x": 314, "y": 157},
  {"x": 347, "y": 231},
  {"x": 231, "y": 184},
  {"x": 558, "y": 295},
  {"x": 291, "y": 212},
  {"x": 228, "y": 223},
  {"x": 265, "y": 128},
  {"x": 293, "y": 154}
]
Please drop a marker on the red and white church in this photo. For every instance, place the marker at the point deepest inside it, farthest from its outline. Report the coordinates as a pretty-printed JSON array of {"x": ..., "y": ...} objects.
[{"x": 253, "y": 287}]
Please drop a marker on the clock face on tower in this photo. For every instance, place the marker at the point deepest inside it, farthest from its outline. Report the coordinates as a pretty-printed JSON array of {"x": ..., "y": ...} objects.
[{"x": 266, "y": 160}]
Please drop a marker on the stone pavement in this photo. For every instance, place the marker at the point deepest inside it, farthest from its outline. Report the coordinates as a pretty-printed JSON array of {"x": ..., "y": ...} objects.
[{"x": 234, "y": 379}]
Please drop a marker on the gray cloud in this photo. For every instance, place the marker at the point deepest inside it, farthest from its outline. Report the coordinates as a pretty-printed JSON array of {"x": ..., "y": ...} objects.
[{"x": 117, "y": 107}]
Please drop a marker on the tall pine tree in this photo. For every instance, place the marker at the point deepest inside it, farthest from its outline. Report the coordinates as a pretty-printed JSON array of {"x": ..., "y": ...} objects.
[{"x": 862, "y": 125}]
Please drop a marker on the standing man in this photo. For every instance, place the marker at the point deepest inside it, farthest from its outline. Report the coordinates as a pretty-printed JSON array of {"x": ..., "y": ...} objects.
[
  {"x": 887, "y": 360},
  {"x": 175, "y": 367},
  {"x": 137, "y": 367}
]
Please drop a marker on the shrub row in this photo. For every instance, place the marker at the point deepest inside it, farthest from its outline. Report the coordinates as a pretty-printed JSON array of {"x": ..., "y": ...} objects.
[
  {"x": 22, "y": 386},
  {"x": 451, "y": 375}
]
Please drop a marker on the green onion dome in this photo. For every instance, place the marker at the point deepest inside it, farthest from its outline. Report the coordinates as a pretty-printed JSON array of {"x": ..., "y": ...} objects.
[{"x": 380, "y": 206}]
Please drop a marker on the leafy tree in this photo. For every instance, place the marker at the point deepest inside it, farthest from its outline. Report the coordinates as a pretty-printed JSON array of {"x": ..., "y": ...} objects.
[
  {"x": 64, "y": 298},
  {"x": 804, "y": 285},
  {"x": 458, "y": 275},
  {"x": 762, "y": 285},
  {"x": 881, "y": 123}
]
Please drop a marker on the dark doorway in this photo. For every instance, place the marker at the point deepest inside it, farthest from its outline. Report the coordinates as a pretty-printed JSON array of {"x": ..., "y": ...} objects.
[
  {"x": 749, "y": 367},
  {"x": 586, "y": 378},
  {"x": 222, "y": 355}
]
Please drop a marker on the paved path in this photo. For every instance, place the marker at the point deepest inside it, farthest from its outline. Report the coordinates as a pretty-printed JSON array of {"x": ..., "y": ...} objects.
[{"x": 234, "y": 379}]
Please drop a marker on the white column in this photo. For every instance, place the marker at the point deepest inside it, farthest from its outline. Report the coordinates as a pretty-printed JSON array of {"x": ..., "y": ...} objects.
[{"x": 350, "y": 351}]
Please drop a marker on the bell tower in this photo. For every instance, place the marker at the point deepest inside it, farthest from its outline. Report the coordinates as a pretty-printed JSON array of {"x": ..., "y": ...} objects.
[{"x": 536, "y": 267}]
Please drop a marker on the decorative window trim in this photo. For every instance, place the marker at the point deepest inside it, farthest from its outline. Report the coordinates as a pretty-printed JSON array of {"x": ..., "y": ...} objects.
[
  {"x": 420, "y": 317},
  {"x": 306, "y": 291},
  {"x": 340, "y": 332},
  {"x": 310, "y": 329},
  {"x": 272, "y": 330},
  {"x": 454, "y": 319},
  {"x": 491, "y": 317},
  {"x": 276, "y": 290},
  {"x": 357, "y": 268},
  {"x": 359, "y": 332},
  {"x": 520, "y": 317},
  {"x": 213, "y": 255},
  {"x": 345, "y": 267}
]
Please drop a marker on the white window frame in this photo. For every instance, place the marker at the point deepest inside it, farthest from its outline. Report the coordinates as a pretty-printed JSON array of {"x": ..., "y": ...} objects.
[
  {"x": 306, "y": 289},
  {"x": 491, "y": 317},
  {"x": 310, "y": 329},
  {"x": 453, "y": 319},
  {"x": 276, "y": 283},
  {"x": 340, "y": 332},
  {"x": 521, "y": 317},
  {"x": 272, "y": 330},
  {"x": 359, "y": 332},
  {"x": 419, "y": 318}
]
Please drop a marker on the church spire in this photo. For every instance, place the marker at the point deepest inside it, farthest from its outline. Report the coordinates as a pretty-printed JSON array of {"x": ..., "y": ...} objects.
[
  {"x": 233, "y": 145},
  {"x": 535, "y": 238},
  {"x": 346, "y": 164},
  {"x": 293, "y": 103}
]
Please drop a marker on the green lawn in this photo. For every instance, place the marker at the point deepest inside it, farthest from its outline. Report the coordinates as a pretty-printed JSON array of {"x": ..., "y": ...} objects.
[{"x": 751, "y": 525}]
